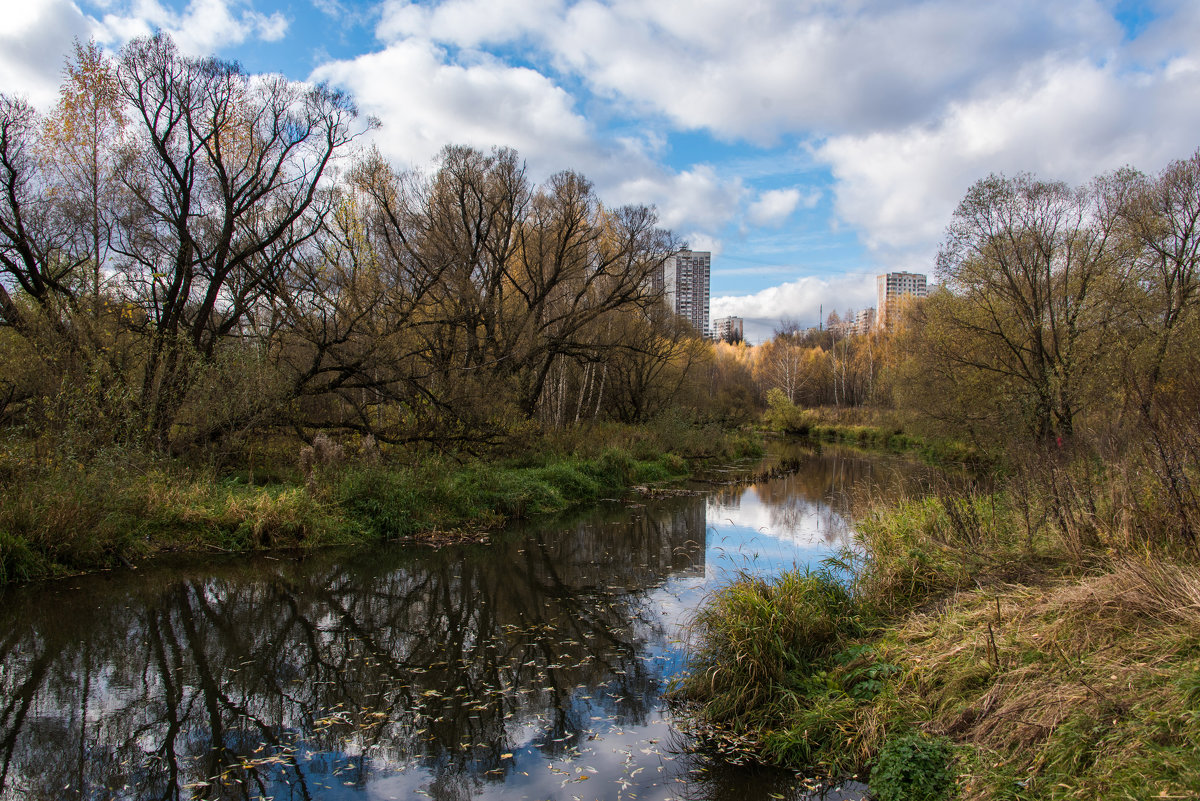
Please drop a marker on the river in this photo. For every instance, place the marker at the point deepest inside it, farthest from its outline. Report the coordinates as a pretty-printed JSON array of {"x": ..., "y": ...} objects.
[{"x": 533, "y": 667}]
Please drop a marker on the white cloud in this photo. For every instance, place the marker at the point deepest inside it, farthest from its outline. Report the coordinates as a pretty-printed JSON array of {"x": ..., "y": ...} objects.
[
  {"x": 425, "y": 102},
  {"x": 466, "y": 23},
  {"x": 34, "y": 40},
  {"x": 697, "y": 197},
  {"x": 802, "y": 300},
  {"x": 697, "y": 240},
  {"x": 202, "y": 28},
  {"x": 757, "y": 70},
  {"x": 1062, "y": 121},
  {"x": 774, "y": 206},
  {"x": 37, "y": 35}
]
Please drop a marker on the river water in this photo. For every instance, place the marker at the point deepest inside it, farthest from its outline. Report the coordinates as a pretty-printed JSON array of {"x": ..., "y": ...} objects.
[{"x": 533, "y": 667}]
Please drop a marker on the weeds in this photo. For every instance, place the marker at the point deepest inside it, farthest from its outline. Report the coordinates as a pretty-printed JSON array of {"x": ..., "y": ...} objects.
[{"x": 912, "y": 766}]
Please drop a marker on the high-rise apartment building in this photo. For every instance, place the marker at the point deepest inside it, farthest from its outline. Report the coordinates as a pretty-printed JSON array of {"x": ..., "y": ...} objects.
[
  {"x": 685, "y": 284},
  {"x": 729, "y": 329},
  {"x": 864, "y": 321},
  {"x": 892, "y": 289}
]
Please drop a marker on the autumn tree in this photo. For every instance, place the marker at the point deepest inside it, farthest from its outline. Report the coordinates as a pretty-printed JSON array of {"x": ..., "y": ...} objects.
[
  {"x": 81, "y": 142},
  {"x": 1027, "y": 264},
  {"x": 224, "y": 183},
  {"x": 1159, "y": 220}
]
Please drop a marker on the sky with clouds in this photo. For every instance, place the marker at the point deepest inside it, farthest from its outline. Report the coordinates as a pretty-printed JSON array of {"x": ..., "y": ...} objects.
[{"x": 809, "y": 144}]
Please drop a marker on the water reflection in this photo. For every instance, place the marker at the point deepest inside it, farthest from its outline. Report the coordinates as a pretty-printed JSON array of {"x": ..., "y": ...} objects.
[{"x": 532, "y": 667}]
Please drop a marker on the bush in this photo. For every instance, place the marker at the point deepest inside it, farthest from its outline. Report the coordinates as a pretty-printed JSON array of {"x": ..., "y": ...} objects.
[
  {"x": 382, "y": 503},
  {"x": 756, "y": 643},
  {"x": 913, "y": 767},
  {"x": 17, "y": 561},
  {"x": 784, "y": 416}
]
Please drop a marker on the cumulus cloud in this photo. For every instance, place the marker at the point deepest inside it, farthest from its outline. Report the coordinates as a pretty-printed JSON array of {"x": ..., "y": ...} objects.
[
  {"x": 34, "y": 40},
  {"x": 801, "y": 300},
  {"x": 1062, "y": 121},
  {"x": 37, "y": 36},
  {"x": 762, "y": 69},
  {"x": 426, "y": 102},
  {"x": 910, "y": 101},
  {"x": 776, "y": 205},
  {"x": 696, "y": 197},
  {"x": 426, "y": 99},
  {"x": 202, "y": 28},
  {"x": 466, "y": 23}
]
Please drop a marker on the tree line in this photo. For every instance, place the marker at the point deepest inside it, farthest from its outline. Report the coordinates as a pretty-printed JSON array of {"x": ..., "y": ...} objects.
[
  {"x": 189, "y": 253},
  {"x": 1063, "y": 329},
  {"x": 1057, "y": 309}
]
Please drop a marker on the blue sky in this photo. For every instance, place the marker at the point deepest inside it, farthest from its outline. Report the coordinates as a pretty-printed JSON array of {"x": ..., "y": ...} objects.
[{"x": 809, "y": 144}]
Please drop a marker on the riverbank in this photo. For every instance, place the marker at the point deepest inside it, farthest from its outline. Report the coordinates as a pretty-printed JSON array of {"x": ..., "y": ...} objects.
[
  {"x": 974, "y": 645},
  {"x": 61, "y": 517},
  {"x": 873, "y": 429}
]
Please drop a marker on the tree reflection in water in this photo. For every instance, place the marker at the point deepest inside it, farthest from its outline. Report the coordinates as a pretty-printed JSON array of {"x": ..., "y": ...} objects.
[
  {"x": 282, "y": 677},
  {"x": 461, "y": 672}
]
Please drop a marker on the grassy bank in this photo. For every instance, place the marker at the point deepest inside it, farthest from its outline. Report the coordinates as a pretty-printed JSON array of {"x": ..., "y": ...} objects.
[
  {"x": 870, "y": 428},
  {"x": 982, "y": 646},
  {"x": 61, "y": 516}
]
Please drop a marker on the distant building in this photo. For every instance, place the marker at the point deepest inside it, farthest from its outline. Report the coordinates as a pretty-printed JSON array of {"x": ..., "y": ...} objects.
[
  {"x": 892, "y": 289},
  {"x": 729, "y": 329},
  {"x": 685, "y": 283},
  {"x": 839, "y": 327},
  {"x": 864, "y": 321}
]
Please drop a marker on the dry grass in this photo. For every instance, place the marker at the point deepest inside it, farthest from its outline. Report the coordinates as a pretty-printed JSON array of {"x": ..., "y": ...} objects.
[{"x": 1076, "y": 690}]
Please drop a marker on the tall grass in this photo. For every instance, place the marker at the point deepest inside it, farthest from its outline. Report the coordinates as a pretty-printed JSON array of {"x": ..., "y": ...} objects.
[
  {"x": 776, "y": 671},
  {"x": 757, "y": 642}
]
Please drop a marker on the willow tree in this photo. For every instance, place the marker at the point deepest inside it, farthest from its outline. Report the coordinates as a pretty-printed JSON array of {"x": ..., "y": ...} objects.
[
  {"x": 224, "y": 181},
  {"x": 1160, "y": 224}
]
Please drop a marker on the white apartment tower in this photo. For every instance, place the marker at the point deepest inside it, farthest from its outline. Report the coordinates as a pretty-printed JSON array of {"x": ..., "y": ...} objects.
[
  {"x": 729, "y": 329},
  {"x": 891, "y": 289},
  {"x": 685, "y": 283}
]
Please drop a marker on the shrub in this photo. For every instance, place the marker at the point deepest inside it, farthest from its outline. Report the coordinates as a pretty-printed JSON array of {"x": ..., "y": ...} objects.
[
  {"x": 784, "y": 416},
  {"x": 17, "y": 561},
  {"x": 382, "y": 503},
  {"x": 913, "y": 766}
]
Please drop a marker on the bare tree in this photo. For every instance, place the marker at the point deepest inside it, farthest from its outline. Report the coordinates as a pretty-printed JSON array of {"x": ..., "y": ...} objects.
[
  {"x": 39, "y": 251},
  {"x": 224, "y": 182},
  {"x": 1026, "y": 261}
]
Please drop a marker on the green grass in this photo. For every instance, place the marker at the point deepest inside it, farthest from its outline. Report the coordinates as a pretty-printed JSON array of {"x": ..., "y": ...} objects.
[
  {"x": 66, "y": 517},
  {"x": 870, "y": 429}
]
